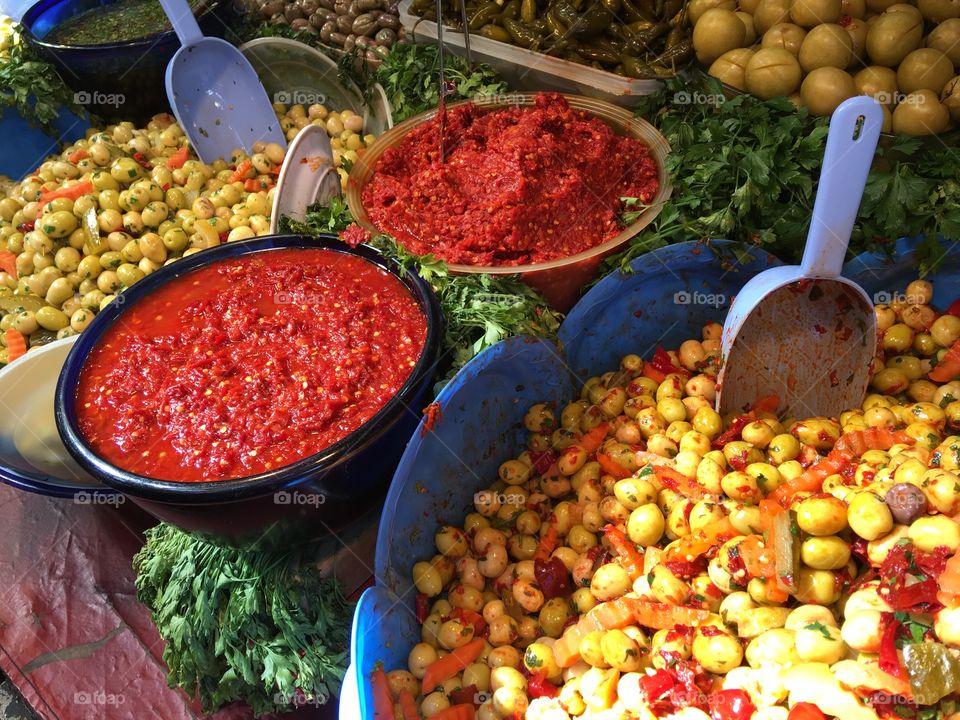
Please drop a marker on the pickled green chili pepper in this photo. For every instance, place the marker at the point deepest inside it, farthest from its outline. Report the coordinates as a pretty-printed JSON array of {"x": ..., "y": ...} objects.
[
  {"x": 598, "y": 54},
  {"x": 484, "y": 14},
  {"x": 612, "y": 5},
  {"x": 675, "y": 54},
  {"x": 494, "y": 32},
  {"x": 522, "y": 35},
  {"x": 511, "y": 11},
  {"x": 557, "y": 28},
  {"x": 933, "y": 671},
  {"x": 528, "y": 10},
  {"x": 636, "y": 67}
]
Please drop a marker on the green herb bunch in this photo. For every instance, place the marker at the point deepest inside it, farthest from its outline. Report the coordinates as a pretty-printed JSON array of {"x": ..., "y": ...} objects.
[
  {"x": 32, "y": 87},
  {"x": 746, "y": 169},
  {"x": 252, "y": 626}
]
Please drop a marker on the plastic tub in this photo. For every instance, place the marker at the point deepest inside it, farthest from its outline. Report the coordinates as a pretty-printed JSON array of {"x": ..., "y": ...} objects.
[
  {"x": 247, "y": 511},
  {"x": 32, "y": 456},
  {"x": 560, "y": 281},
  {"x": 115, "y": 80},
  {"x": 527, "y": 70},
  {"x": 483, "y": 408},
  {"x": 294, "y": 73}
]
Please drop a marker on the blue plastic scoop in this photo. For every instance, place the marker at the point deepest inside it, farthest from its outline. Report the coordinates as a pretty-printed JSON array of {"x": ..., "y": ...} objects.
[
  {"x": 802, "y": 332},
  {"x": 215, "y": 92}
]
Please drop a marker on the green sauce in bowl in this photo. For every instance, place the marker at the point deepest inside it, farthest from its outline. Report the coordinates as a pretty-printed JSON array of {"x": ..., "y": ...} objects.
[{"x": 120, "y": 21}]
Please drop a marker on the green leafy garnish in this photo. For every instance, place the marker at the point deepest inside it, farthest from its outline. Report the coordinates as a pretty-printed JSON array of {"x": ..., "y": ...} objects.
[
  {"x": 820, "y": 628},
  {"x": 253, "y": 626}
]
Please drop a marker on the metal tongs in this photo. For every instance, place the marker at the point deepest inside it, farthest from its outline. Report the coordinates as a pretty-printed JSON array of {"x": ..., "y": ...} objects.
[{"x": 447, "y": 89}]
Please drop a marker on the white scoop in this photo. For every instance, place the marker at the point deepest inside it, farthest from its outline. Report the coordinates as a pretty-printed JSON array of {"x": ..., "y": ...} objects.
[
  {"x": 215, "y": 93},
  {"x": 307, "y": 176},
  {"x": 803, "y": 333}
]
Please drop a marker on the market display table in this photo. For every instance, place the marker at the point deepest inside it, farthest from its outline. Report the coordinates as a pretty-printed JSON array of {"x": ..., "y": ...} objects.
[{"x": 73, "y": 638}]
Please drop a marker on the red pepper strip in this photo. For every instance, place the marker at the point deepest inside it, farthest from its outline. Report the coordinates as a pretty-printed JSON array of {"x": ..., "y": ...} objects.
[
  {"x": 949, "y": 367},
  {"x": 456, "y": 712},
  {"x": 16, "y": 345},
  {"x": 651, "y": 372},
  {"x": 806, "y": 711},
  {"x": 954, "y": 308},
  {"x": 662, "y": 362},
  {"x": 538, "y": 686},
  {"x": 908, "y": 597},
  {"x": 629, "y": 555},
  {"x": 78, "y": 155},
  {"x": 8, "y": 263},
  {"x": 591, "y": 440},
  {"x": 73, "y": 192},
  {"x": 677, "y": 481},
  {"x": 408, "y": 705},
  {"x": 240, "y": 173},
  {"x": 733, "y": 432},
  {"x": 382, "y": 699},
  {"x": 472, "y": 618},
  {"x": 422, "y": 604},
  {"x": 178, "y": 158},
  {"x": 888, "y": 659},
  {"x": 657, "y": 685},
  {"x": 464, "y": 696},
  {"x": 612, "y": 467},
  {"x": 548, "y": 543}
]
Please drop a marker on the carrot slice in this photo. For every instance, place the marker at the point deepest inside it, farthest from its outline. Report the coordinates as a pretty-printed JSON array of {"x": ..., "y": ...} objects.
[
  {"x": 8, "y": 263},
  {"x": 78, "y": 155},
  {"x": 660, "y": 616},
  {"x": 382, "y": 699},
  {"x": 16, "y": 345},
  {"x": 73, "y": 192},
  {"x": 178, "y": 158},
  {"x": 456, "y": 712},
  {"x": 408, "y": 705},
  {"x": 449, "y": 665},
  {"x": 240, "y": 174},
  {"x": 948, "y": 368},
  {"x": 629, "y": 555},
  {"x": 548, "y": 543},
  {"x": 757, "y": 557},
  {"x": 677, "y": 481},
  {"x": 591, "y": 440},
  {"x": 692, "y": 546},
  {"x": 612, "y": 467}
]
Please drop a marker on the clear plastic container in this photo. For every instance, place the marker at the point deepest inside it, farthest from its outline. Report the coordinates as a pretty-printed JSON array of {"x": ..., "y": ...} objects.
[
  {"x": 527, "y": 70},
  {"x": 560, "y": 281}
]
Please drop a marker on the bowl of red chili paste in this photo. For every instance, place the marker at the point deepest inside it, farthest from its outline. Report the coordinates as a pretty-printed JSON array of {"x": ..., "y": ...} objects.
[
  {"x": 528, "y": 184},
  {"x": 258, "y": 384}
]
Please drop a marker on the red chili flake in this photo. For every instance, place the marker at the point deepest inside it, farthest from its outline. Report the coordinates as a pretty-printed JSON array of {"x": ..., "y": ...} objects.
[
  {"x": 820, "y": 329},
  {"x": 26, "y": 227},
  {"x": 354, "y": 235},
  {"x": 662, "y": 362},
  {"x": 710, "y": 631},
  {"x": 687, "y": 570},
  {"x": 845, "y": 20},
  {"x": 733, "y": 432},
  {"x": 142, "y": 161},
  {"x": 889, "y": 660},
  {"x": 433, "y": 415}
]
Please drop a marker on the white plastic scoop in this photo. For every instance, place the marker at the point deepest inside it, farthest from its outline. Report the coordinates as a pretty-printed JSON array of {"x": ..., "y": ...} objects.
[
  {"x": 214, "y": 92},
  {"x": 307, "y": 176},
  {"x": 803, "y": 333}
]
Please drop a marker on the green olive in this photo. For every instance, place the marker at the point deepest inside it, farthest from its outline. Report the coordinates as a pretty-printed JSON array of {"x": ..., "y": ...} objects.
[
  {"x": 129, "y": 274},
  {"x": 924, "y": 69},
  {"x": 827, "y": 45},
  {"x": 731, "y": 67},
  {"x": 59, "y": 224},
  {"x": 921, "y": 113},
  {"x": 810, "y": 13},
  {"x": 52, "y": 319},
  {"x": 892, "y": 36},
  {"x": 786, "y": 36}
]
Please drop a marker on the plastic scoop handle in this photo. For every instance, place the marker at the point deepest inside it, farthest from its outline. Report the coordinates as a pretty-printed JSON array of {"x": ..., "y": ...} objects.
[
  {"x": 851, "y": 143},
  {"x": 183, "y": 21}
]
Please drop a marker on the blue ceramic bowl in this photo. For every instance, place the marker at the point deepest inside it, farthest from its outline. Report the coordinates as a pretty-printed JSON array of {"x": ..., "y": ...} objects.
[
  {"x": 671, "y": 293},
  {"x": 287, "y": 505},
  {"x": 115, "y": 80}
]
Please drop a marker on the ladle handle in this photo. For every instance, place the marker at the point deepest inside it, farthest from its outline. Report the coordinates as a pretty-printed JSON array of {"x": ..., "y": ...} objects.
[
  {"x": 183, "y": 21},
  {"x": 851, "y": 144}
]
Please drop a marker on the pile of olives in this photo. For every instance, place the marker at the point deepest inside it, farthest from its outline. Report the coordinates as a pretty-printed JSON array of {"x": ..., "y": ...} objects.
[
  {"x": 342, "y": 24},
  {"x": 821, "y": 52}
]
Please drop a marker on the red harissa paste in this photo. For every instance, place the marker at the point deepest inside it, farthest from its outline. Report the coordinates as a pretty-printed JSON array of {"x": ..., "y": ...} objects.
[
  {"x": 520, "y": 185},
  {"x": 248, "y": 365}
]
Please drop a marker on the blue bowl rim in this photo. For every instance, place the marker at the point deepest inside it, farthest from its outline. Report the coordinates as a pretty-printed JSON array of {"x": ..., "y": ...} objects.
[
  {"x": 33, "y": 12},
  {"x": 213, "y": 491}
]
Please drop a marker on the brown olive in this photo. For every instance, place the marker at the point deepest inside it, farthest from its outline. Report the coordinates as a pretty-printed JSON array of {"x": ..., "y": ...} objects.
[
  {"x": 309, "y": 7},
  {"x": 731, "y": 67},
  {"x": 271, "y": 8},
  {"x": 368, "y": 5},
  {"x": 389, "y": 21},
  {"x": 345, "y": 24},
  {"x": 327, "y": 29},
  {"x": 892, "y": 36},
  {"x": 338, "y": 38},
  {"x": 784, "y": 35},
  {"x": 279, "y": 19},
  {"x": 810, "y": 13},
  {"x": 364, "y": 25},
  {"x": 350, "y": 43},
  {"x": 385, "y": 37},
  {"x": 365, "y": 42},
  {"x": 946, "y": 38},
  {"x": 921, "y": 113},
  {"x": 925, "y": 68},
  {"x": 341, "y": 7},
  {"x": 327, "y": 4},
  {"x": 353, "y": 10},
  {"x": 292, "y": 12},
  {"x": 300, "y": 24},
  {"x": 827, "y": 45},
  {"x": 906, "y": 502}
]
